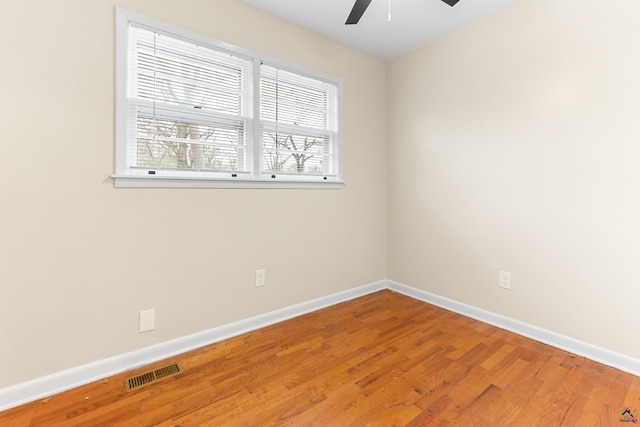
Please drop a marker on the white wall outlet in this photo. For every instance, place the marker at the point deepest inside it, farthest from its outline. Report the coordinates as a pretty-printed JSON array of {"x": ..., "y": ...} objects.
[
  {"x": 147, "y": 320},
  {"x": 261, "y": 277},
  {"x": 505, "y": 280}
]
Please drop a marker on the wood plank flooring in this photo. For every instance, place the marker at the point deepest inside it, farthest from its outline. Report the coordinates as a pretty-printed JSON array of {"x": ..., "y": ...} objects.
[{"x": 380, "y": 360}]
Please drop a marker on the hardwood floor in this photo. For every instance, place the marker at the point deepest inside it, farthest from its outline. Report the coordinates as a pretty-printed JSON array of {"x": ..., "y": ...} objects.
[{"x": 380, "y": 360}]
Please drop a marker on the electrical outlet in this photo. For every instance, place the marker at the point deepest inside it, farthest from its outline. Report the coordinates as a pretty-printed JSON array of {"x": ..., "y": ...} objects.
[
  {"x": 505, "y": 280},
  {"x": 147, "y": 320},
  {"x": 261, "y": 277}
]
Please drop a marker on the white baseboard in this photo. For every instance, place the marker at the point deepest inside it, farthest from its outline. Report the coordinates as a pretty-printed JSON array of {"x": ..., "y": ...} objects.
[
  {"x": 49, "y": 385},
  {"x": 56, "y": 383},
  {"x": 598, "y": 354}
]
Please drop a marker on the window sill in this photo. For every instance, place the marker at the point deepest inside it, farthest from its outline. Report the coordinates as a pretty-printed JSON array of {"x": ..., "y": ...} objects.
[{"x": 128, "y": 181}]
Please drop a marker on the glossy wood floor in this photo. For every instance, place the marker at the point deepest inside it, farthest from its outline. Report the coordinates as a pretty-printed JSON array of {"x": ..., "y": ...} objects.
[{"x": 380, "y": 360}]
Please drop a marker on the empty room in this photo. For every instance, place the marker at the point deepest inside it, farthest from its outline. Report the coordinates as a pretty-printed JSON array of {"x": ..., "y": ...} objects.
[{"x": 319, "y": 212}]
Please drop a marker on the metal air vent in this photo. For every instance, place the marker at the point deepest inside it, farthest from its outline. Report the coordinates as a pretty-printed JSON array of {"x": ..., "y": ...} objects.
[{"x": 150, "y": 377}]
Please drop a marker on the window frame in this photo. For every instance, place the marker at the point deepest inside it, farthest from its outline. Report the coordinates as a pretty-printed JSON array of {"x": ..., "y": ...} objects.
[{"x": 126, "y": 176}]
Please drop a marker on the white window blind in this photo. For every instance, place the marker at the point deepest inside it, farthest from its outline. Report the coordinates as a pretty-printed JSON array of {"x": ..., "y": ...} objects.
[
  {"x": 298, "y": 123},
  {"x": 189, "y": 105},
  {"x": 196, "y": 112}
]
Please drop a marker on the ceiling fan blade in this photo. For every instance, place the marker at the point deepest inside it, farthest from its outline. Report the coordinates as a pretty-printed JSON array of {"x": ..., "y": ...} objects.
[
  {"x": 451, "y": 2},
  {"x": 358, "y": 9}
]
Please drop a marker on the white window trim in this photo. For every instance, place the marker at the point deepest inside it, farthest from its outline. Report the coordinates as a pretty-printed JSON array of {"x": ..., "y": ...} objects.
[{"x": 125, "y": 177}]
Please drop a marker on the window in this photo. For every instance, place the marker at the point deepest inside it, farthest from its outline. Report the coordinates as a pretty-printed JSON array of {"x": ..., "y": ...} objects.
[{"x": 196, "y": 112}]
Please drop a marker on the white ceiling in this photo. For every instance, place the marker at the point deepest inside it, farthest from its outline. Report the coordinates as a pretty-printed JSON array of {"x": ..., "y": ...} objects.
[{"x": 413, "y": 22}]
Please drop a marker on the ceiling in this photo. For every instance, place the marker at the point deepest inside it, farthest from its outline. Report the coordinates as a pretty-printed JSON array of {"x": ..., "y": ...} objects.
[{"x": 413, "y": 22}]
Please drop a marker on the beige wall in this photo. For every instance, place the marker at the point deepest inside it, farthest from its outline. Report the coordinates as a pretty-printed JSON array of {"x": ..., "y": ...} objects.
[
  {"x": 514, "y": 144},
  {"x": 79, "y": 259}
]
